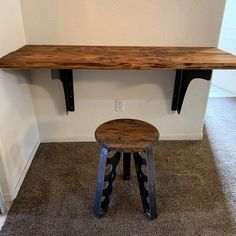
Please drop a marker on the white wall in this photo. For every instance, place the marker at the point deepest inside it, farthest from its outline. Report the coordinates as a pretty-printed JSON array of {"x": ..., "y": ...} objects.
[
  {"x": 147, "y": 94},
  {"x": 222, "y": 78},
  {"x": 19, "y": 135},
  {"x": 123, "y": 22}
]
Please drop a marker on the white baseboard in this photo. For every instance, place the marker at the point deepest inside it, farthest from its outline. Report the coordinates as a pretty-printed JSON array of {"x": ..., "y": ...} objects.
[
  {"x": 3, "y": 217},
  {"x": 88, "y": 138},
  {"x": 181, "y": 136},
  {"x": 12, "y": 195},
  {"x": 68, "y": 139}
]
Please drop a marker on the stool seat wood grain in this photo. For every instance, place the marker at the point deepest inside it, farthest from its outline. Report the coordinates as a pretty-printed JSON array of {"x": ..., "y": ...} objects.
[{"x": 126, "y": 135}]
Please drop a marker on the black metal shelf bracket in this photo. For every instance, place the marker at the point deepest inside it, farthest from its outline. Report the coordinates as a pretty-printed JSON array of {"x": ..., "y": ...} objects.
[
  {"x": 66, "y": 77},
  {"x": 182, "y": 81}
]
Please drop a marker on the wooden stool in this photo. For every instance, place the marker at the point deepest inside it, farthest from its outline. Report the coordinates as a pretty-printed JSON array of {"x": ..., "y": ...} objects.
[{"x": 126, "y": 136}]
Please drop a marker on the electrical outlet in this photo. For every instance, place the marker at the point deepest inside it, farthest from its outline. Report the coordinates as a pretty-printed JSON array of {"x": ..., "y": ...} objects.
[{"x": 119, "y": 105}]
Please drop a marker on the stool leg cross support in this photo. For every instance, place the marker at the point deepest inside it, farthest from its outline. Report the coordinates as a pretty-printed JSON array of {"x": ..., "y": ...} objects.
[
  {"x": 126, "y": 163},
  {"x": 146, "y": 180}
]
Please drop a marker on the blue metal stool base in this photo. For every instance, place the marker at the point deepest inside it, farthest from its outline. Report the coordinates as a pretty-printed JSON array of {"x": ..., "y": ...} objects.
[{"x": 106, "y": 177}]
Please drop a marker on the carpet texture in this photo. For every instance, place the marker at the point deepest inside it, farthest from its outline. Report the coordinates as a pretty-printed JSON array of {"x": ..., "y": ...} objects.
[{"x": 196, "y": 188}]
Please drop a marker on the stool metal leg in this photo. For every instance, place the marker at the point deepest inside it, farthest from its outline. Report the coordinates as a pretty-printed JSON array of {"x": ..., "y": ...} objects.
[
  {"x": 151, "y": 184},
  {"x": 146, "y": 182},
  {"x": 105, "y": 182},
  {"x": 126, "y": 167}
]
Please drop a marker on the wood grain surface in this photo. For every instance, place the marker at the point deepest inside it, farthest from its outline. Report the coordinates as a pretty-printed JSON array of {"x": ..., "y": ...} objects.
[
  {"x": 115, "y": 57},
  {"x": 126, "y": 135}
]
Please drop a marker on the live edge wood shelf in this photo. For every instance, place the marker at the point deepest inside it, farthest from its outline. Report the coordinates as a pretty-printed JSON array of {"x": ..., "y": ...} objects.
[{"x": 189, "y": 63}]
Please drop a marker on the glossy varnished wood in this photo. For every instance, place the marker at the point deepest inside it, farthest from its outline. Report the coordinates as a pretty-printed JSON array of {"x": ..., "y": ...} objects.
[
  {"x": 114, "y": 57},
  {"x": 126, "y": 135}
]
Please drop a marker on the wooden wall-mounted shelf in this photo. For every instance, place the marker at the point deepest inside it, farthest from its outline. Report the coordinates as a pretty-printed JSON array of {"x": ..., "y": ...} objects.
[
  {"x": 116, "y": 58},
  {"x": 189, "y": 62}
]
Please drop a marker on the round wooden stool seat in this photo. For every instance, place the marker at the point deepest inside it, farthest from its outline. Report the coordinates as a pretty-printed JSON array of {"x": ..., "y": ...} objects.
[{"x": 126, "y": 135}]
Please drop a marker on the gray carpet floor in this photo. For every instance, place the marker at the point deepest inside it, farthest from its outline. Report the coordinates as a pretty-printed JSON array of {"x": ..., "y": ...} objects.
[{"x": 196, "y": 187}]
